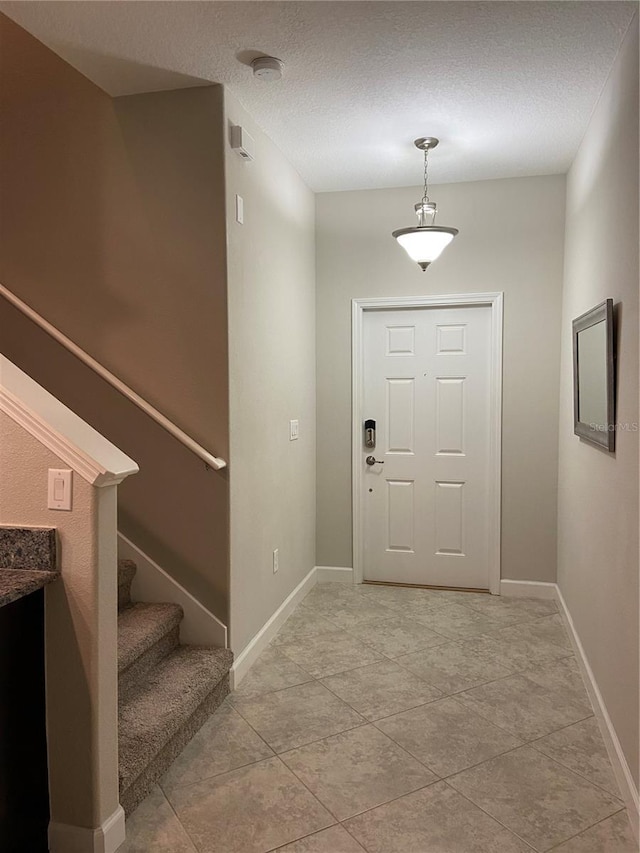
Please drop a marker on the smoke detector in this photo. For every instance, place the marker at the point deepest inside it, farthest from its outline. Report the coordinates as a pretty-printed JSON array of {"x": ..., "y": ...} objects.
[{"x": 267, "y": 68}]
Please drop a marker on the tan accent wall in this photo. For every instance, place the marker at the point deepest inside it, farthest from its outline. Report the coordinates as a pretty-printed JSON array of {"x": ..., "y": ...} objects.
[
  {"x": 81, "y": 628},
  {"x": 272, "y": 379},
  {"x": 597, "y": 490},
  {"x": 511, "y": 239},
  {"x": 112, "y": 227}
]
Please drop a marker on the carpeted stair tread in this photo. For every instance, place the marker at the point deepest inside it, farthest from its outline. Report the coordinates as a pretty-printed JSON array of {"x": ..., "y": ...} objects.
[
  {"x": 163, "y": 704},
  {"x": 140, "y": 626}
]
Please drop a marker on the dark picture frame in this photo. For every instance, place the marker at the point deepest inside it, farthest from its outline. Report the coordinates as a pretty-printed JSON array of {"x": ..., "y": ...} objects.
[{"x": 594, "y": 376}]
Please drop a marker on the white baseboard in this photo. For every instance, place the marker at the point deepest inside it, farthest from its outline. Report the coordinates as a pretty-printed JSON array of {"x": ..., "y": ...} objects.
[
  {"x": 619, "y": 764},
  {"x": 151, "y": 583},
  {"x": 527, "y": 589},
  {"x": 65, "y": 838},
  {"x": 334, "y": 573},
  {"x": 261, "y": 640}
]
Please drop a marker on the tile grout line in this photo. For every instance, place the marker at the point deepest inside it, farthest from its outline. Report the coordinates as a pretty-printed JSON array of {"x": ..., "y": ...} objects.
[
  {"x": 584, "y": 829},
  {"x": 475, "y": 713},
  {"x": 361, "y": 843},
  {"x": 326, "y": 808},
  {"x": 448, "y": 641},
  {"x": 388, "y": 802},
  {"x": 362, "y": 722},
  {"x": 365, "y": 723},
  {"x": 253, "y": 764},
  {"x": 588, "y": 829},
  {"x": 471, "y": 766},
  {"x": 460, "y": 640},
  {"x": 373, "y": 723},
  {"x": 442, "y": 696},
  {"x": 424, "y": 787},
  {"x": 310, "y": 835},
  {"x": 492, "y": 817},
  {"x": 528, "y": 741},
  {"x": 217, "y": 775},
  {"x": 328, "y": 675},
  {"x": 339, "y": 822},
  {"x": 524, "y": 744},
  {"x": 575, "y": 772},
  {"x": 269, "y": 693},
  {"x": 521, "y": 672},
  {"x": 378, "y": 719},
  {"x": 253, "y": 730},
  {"x": 177, "y": 816}
]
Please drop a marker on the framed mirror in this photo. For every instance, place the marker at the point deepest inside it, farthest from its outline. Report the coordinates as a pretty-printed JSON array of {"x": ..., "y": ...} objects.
[{"x": 594, "y": 376}]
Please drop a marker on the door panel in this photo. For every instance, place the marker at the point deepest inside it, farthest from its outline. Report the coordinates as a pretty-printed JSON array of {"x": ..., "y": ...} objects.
[
  {"x": 401, "y": 512},
  {"x": 450, "y": 340},
  {"x": 400, "y": 415},
  {"x": 400, "y": 340},
  {"x": 450, "y": 415},
  {"x": 449, "y": 534},
  {"x": 425, "y": 501}
]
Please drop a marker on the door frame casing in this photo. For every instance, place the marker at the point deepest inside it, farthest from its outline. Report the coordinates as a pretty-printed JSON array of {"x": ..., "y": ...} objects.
[{"x": 456, "y": 300}]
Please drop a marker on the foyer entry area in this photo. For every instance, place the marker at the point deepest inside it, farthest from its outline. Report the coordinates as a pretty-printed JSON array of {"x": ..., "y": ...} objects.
[{"x": 397, "y": 720}]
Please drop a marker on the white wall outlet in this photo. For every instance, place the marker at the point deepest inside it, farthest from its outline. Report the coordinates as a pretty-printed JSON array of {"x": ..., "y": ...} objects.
[
  {"x": 275, "y": 560},
  {"x": 239, "y": 210},
  {"x": 294, "y": 430},
  {"x": 59, "y": 488}
]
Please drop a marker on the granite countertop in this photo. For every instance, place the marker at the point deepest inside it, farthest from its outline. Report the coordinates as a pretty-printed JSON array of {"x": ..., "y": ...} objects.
[
  {"x": 15, "y": 583},
  {"x": 28, "y": 561}
]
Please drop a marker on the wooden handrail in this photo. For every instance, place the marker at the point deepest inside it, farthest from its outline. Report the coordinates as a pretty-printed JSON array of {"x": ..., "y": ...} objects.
[{"x": 208, "y": 458}]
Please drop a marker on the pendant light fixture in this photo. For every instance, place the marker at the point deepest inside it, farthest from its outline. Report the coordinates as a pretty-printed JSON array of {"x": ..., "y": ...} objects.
[{"x": 425, "y": 242}]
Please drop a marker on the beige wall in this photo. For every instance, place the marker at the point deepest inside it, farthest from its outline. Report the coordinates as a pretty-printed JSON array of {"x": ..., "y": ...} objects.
[
  {"x": 112, "y": 227},
  {"x": 272, "y": 379},
  {"x": 81, "y": 628},
  {"x": 598, "y": 491},
  {"x": 511, "y": 240}
]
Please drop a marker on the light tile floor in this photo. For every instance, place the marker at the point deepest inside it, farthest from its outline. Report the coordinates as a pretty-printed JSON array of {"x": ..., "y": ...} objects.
[{"x": 394, "y": 720}]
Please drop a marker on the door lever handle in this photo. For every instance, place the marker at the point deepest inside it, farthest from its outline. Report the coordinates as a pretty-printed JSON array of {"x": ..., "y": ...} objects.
[{"x": 371, "y": 460}]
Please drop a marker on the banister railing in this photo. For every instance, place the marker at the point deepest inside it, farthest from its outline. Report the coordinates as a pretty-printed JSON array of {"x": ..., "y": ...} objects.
[{"x": 208, "y": 458}]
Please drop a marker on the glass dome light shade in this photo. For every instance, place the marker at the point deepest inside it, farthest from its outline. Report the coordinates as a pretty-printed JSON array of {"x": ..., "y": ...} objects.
[{"x": 425, "y": 243}]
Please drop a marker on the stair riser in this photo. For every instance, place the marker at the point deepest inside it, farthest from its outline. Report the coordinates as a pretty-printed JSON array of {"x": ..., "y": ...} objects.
[
  {"x": 130, "y": 677},
  {"x": 140, "y": 787},
  {"x": 126, "y": 573},
  {"x": 124, "y": 595}
]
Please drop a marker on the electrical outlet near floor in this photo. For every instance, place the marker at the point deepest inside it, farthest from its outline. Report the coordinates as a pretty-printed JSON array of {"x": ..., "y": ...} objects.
[{"x": 275, "y": 560}]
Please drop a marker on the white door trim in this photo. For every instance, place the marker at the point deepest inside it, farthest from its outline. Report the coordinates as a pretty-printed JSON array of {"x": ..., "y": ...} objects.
[{"x": 457, "y": 300}]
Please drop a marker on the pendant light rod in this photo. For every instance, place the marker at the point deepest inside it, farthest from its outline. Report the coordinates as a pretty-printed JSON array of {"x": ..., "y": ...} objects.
[{"x": 426, "y": 143}]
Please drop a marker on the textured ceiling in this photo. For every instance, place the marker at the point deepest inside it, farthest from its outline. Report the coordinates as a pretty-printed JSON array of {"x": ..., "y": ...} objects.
[{"x": 507, "y": 86}]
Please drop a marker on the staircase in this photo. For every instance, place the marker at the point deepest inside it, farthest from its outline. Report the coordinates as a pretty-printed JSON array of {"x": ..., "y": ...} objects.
[{"x": 166, "y": 690}]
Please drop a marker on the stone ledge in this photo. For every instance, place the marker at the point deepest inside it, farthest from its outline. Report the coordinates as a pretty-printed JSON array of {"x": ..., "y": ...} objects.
[{"x": 28, "y": 548}]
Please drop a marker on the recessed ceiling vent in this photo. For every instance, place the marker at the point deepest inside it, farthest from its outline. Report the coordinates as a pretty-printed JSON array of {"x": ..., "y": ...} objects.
[{"x": 267, "y": 68}]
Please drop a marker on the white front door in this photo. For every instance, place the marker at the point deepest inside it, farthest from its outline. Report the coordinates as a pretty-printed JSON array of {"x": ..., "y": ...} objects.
[{"x": 426, "y": 498}]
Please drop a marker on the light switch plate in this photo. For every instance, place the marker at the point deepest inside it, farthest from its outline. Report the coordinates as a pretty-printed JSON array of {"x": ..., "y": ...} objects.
[
  {"x": 239, "y": 210},
  {"x": 59, "y": 488},
  {"x": 294, "y": 430}
]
